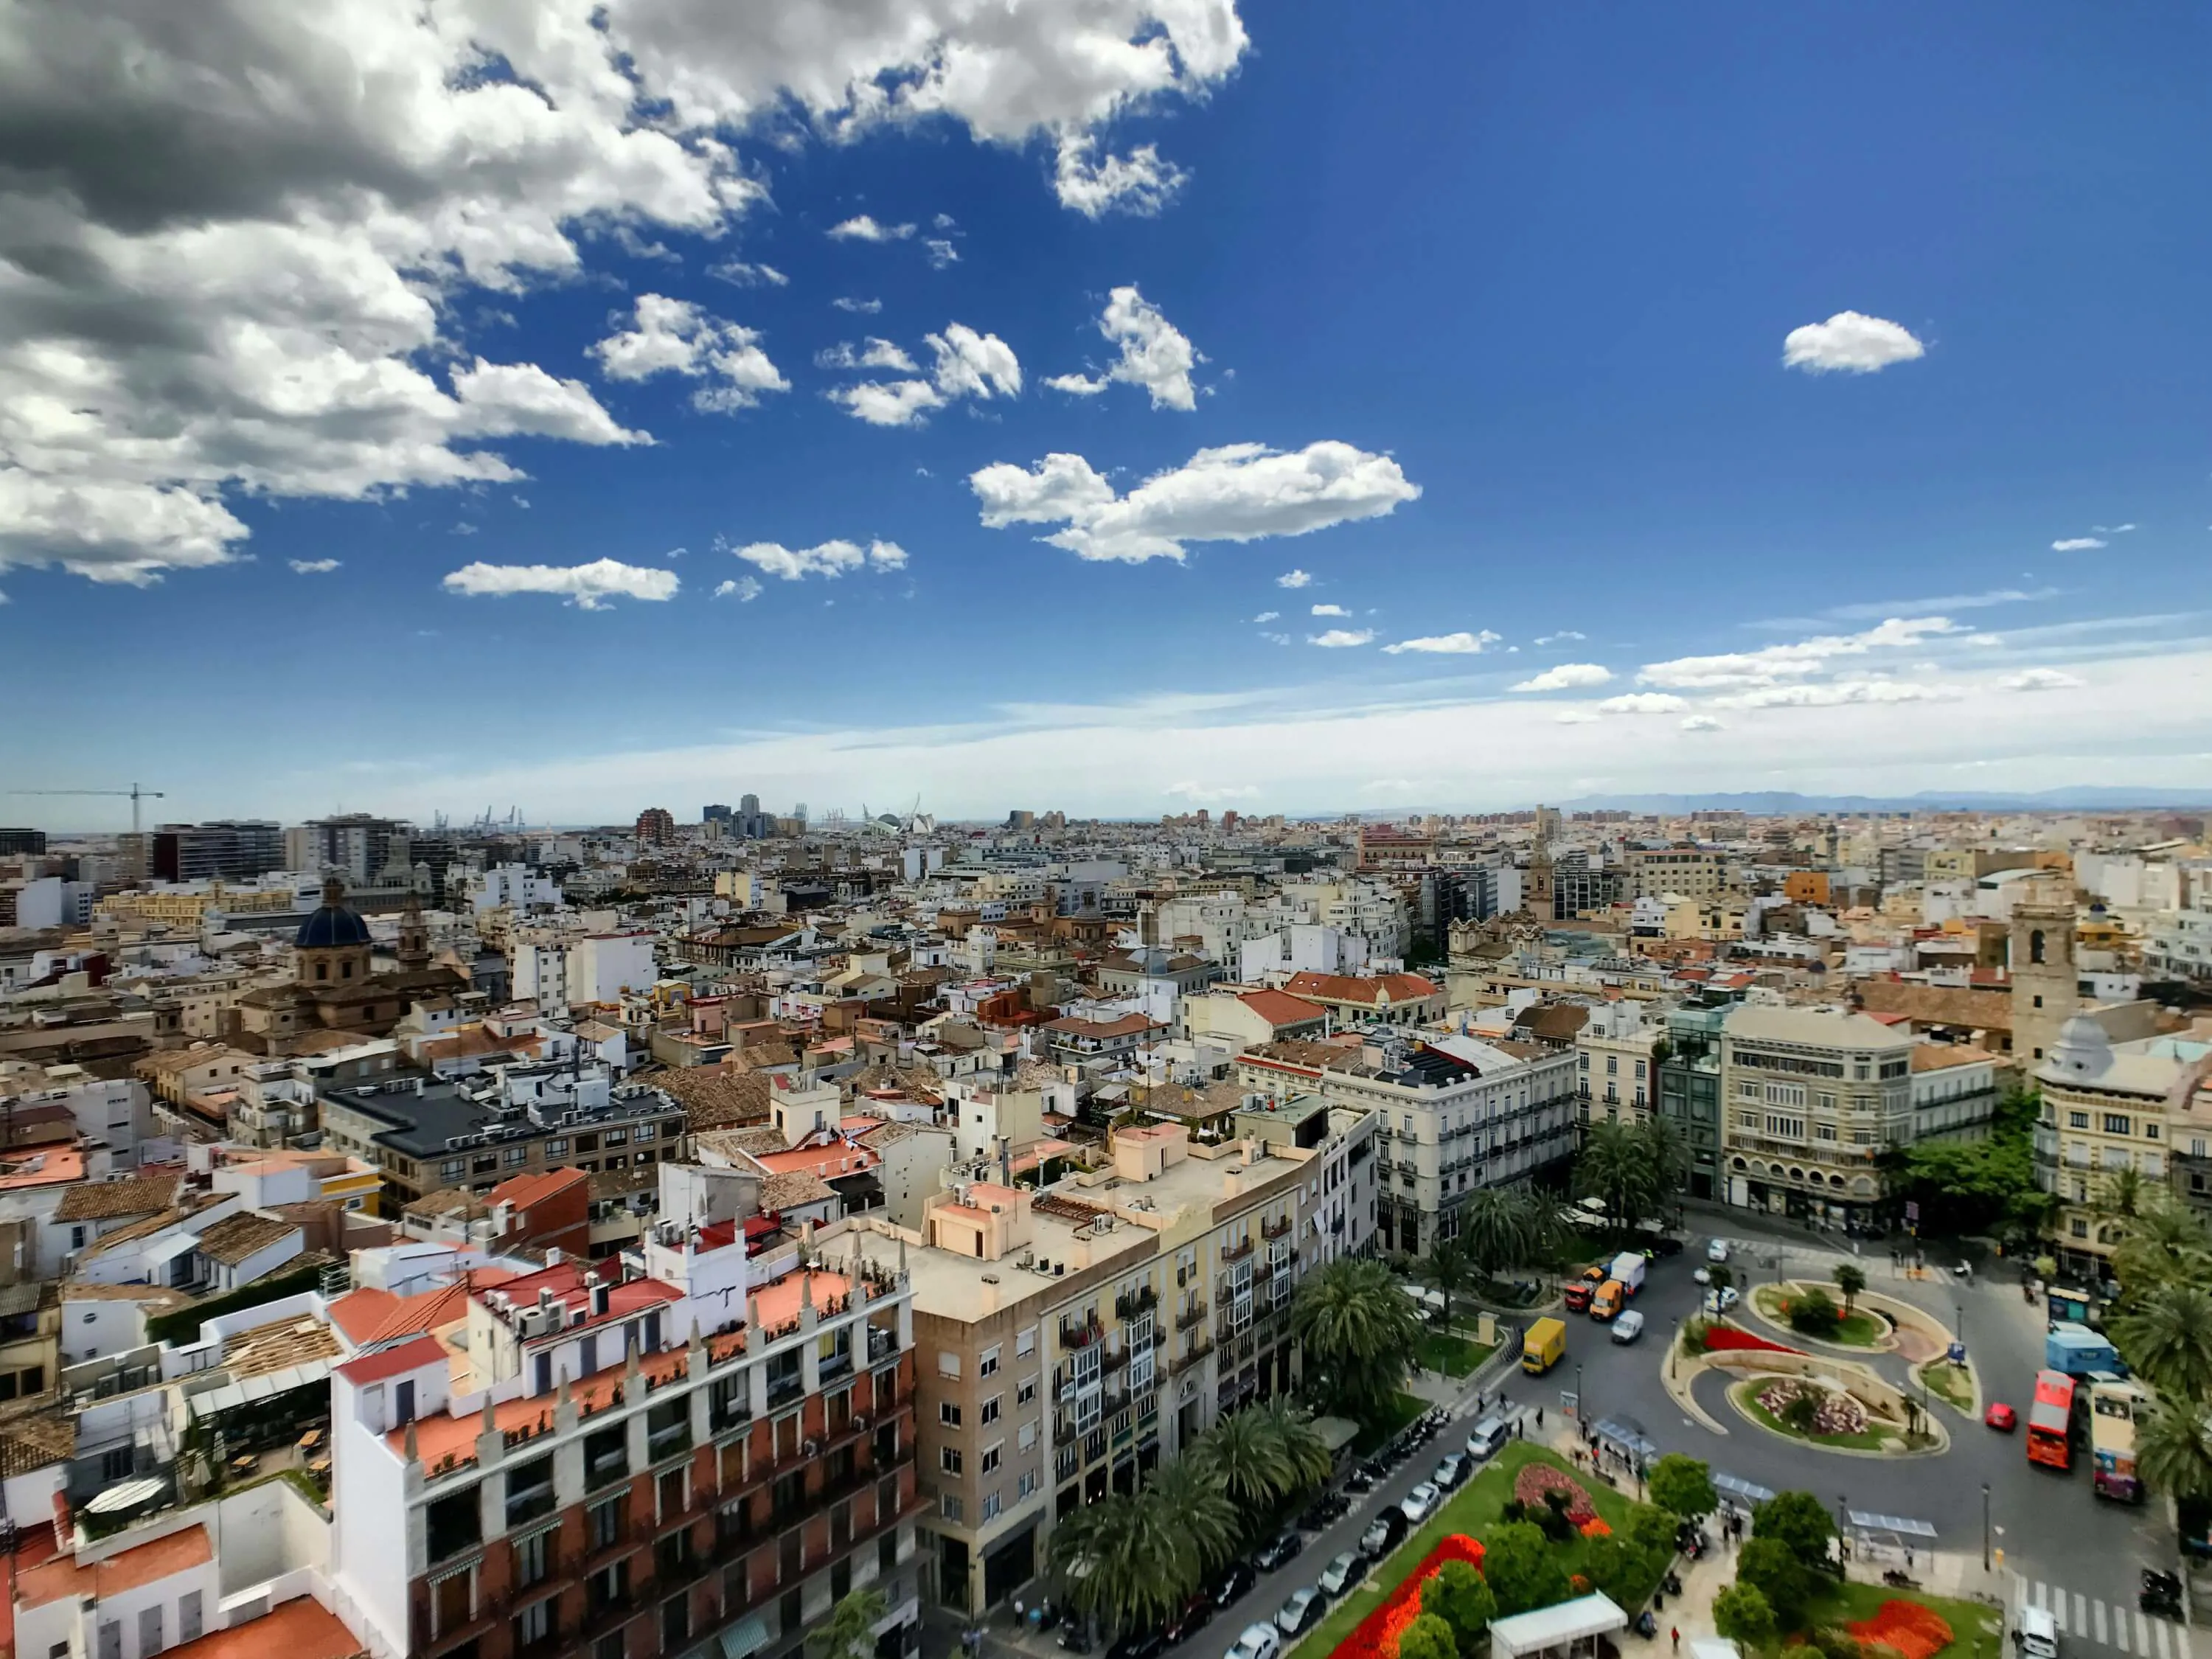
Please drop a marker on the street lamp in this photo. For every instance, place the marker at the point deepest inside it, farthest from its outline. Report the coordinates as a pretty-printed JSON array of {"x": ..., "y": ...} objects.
[
  {"x": 1959, "y": 1313},
  {"x": 1843, "y": 1531},
  {"x": 1582, "y": 1402},
  {"x": 1985, "y": 1525}
]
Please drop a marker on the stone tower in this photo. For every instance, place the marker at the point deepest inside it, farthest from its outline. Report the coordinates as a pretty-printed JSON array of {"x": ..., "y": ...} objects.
[
  {"x": 2046, "y": 984},
  {"x": 414, "y": 953},
  {"x": 1538, "y": 890}
]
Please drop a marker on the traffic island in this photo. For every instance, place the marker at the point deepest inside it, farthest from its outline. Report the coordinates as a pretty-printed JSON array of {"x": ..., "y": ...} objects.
[
  {"x": 1887, "y": 1422},
  {"x": 1955, "y": 1385},
  {"x": 1862, "y": 1328}
]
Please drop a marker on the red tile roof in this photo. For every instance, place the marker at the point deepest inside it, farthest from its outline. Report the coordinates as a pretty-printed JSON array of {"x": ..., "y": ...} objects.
[
  {"x": 525, "y": 1190},
  {"x": 1360, "y": 988},
  {"x": 301, "y": 1629},
  {"x": 393, "y": 1362},
  {"x": 126, "y": 1570},
  {"x": 1279, "y": 1008}
]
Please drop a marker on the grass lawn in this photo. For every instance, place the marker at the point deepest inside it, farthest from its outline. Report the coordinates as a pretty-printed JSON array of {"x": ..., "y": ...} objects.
[
  {"x": 1948, "y": 1382},
  {"x": 1855, "y": 1330},
  {"x": 1402, "y": 1410},
  {"x": 1975, "y": 1628},
  {"x": 1455, "y": 1356},
  {"x": 1745, "y": 1394},
  {"x": 1474, "y": 1510}
]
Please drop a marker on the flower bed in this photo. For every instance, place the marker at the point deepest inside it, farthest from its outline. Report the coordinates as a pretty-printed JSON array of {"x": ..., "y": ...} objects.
[
  {"x": 1376, "y": 1637},
  {"x": 1534, "y": 1481},
  {"x": 1722, "y": 1337},
  {"x": 1838, "y": 1413},
  {"x": 1907, "y": 1628}
]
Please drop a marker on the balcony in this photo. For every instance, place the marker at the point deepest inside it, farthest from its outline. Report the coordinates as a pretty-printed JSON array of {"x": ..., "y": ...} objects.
[
  {"x": 881, "y": 1345},
  {"x": 1236, "y": 1252},
  {"x": 1277, "y": 1229},
  {"x": 1194, "y": 1316},
  {"x": 1079, "y": 1334},
  {"x": 1140, "y": 1301}
]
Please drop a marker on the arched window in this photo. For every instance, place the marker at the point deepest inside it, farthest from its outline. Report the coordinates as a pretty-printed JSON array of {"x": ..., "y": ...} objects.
[{"x": 2035, "y": 946}]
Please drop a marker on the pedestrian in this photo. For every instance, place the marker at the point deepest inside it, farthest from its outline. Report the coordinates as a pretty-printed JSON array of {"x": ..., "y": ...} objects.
[
  {"x": 1675, "y": 1631},
  {"x": 1539, "y": 1417}
]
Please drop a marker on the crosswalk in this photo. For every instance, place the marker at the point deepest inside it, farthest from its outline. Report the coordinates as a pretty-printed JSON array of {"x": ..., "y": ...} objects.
[{"x": 2084, "y": 1618}]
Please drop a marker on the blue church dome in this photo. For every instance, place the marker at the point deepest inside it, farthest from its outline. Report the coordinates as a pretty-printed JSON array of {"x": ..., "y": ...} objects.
[{"x": 332, "y": 925}]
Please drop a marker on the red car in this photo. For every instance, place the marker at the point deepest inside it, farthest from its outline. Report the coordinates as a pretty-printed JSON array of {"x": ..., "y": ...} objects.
[{"x": 2002, "y": 1417}]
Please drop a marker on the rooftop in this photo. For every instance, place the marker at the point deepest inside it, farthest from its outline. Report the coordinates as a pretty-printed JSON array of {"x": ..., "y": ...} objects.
[
  {"x": 235, "y": 1238},
  {"x": 302, "y": 1628},
  {"x": 126, "y": 1570}
]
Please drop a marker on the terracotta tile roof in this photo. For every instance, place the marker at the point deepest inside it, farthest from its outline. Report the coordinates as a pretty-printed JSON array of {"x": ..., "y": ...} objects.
[
  {"x": 126, "y": 1570},
  {"x": 714, "y": 1097},
  {"x": 392, "y": 1361},
  {"x": 108, "y": 1200},
  {"x": 302, "y": 1628},
  {"x": 236, "y": 1238},
  {"x": 793, "y": 1188},
  {"x": 1279, "y": 1008},
  {"x": 1360, "y": 988},
  {"x": 371, "y": 1315},
  {"x": 37, "y": 1437},
  {"x": 1936, "y": 1004},
  {"x": 1127, "y": 1026},
  {"x": 525, "y": 1190},
  {"x": 1942, "y": 1056},
  {"x": 752, "y": 1140},
  {"x": 279, "y": 1345}
]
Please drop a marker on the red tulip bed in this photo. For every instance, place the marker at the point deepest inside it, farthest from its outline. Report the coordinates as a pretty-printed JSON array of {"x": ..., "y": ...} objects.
[
  {"x": 1376, "y": 1637},
  {"x": 1906, "y": 1628},
  {"x": 1720, "y": 1338},
  {"x": 1537, "y": 1478}
]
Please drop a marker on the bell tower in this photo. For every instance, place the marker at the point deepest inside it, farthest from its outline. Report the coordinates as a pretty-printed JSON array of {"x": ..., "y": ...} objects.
[
  {"x": 414, "y": 951},
  {"x": 2046, "y": 984},
  {"x": 1536, "y": 893}
]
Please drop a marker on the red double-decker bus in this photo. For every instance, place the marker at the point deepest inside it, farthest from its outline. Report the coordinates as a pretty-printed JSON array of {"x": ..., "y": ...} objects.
[{"x": 2053, "y": 1421}]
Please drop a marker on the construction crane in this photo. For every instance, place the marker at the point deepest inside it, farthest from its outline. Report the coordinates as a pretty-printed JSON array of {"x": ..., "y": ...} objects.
[{"x": 134, "y": 792}]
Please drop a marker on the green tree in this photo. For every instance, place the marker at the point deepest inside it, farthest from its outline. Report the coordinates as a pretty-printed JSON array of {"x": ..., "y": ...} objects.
[
  {"x": 850, "y": 1632},
  {"x": 1741, "y": 1614},
  {"x": 1651, "y": 1530},
  {"x": 1462, "y": 1597},
  {"x": 1123, "y": 1563},
  {"x": 1243, "y": 1456},
  {"x": 1720, "y": 1275},
  {"x": 2167, "y": 1246},
  {"x": 1193, "y": 1504},
  {"x": 1613, "y": 1165},
  {"x": 1814, "y": 1313},
  {"x": 1304, "y": 1458},
  {"x": 1618, "y": 1568},
  {"x": 1799, "y": 1522},
  {"x": 1682, "y": 1484},
  {"x": 2165, "y": 1334},
  {"x": 1850, "y": 1279},
  {"x": 1800, "y": 1411},
  {"x": 1767, "y": 1564},
  {"x": 1359, "y": 1330},
  {"x": 1523, "y": 1570},
  {"x": 1493, "y": 1226},
  {"x": 1450, "y": 1267},
  {"x": 1666, "y": 1151},
  {"x": 1428, "y": 1637},
  {"x": 2174, "y": 1448}
]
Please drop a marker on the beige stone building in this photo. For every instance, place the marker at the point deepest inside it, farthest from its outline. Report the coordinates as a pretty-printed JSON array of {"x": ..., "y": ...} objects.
[{"x": 1810, "y": 1098}]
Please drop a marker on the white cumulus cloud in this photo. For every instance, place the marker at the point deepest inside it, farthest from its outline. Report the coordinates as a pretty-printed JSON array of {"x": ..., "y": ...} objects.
[
  {"x": 674, "y": 337},
  {"x": 1850, "y": 343},
  {"x": 1237, "y": 493},
  {"x": 314, "y": 567},
  {"x": 2077, "y": 544},
  {"x": 832, "y": 558},
  {"x": 1267, "y": 616},
  {"x": 1776, "y": 663},
  {"x": 2111, "y": 529},
  {"x": 1288, "y": 578},
  {"x": 1567, "y": 676},
  {"x": 1703, "y": 723},
  {"x": 743, "y": 274},
  {"x": 246, "y": 235},
  {"x": 862, "y": 228},
  {"x": 2041, "y": 679},
  {"x": 1329, "y": 610},
  {"x": 968, "y": 364},
  {"x": 941, "y": 253},
  {"x": 1337, "y": 638},
  {"x": 847, "y": 303},
  {"x": 1645, "y": 702},
  {"x": 1563, "y": 634},
  {"x": 1155, "y": 354},
  {"x": 1836, "y": 694},
  {"x": 1455, "y": 645},
  {"x": 743, "y": 589},
  {"x": 873, "y": 353},
  {"x": 586, "y": 586}
]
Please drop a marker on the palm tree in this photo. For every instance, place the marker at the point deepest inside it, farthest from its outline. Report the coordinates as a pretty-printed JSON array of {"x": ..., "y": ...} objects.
[
  {"x": 1305, "y": 1458},
  {"x": 2174, "y": 1448},
  {"x": 1359, "y": 1330},
  {"x": 1449, "y": 1266},
  {"x": 2165, "y": 1334},
  {"x": 2167, "y": 1245},
  {"x": 1197, "y": 1509},
  {"x": 1615, "y": 1166},
  {"x": 1850, "y": 1279},
  {"x": 1244, "y": 1456},
  {"x": 1667, "y": 1151},
  {"x": 1493, "y": 1227},
  {"x": 1123, "y": 1561},
  {"x": 850, "y": 1633}
]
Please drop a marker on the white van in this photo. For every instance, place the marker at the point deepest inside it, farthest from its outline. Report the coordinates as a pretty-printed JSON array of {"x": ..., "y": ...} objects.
[
  {"x": 1488, "y": 1435},
  {"x": 2036, "y": 1635}
]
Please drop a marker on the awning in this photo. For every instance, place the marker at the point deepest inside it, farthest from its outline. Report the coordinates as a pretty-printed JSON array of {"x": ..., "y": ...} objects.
[
  {"x": 1627, "y": 1433},
  {"x": 1750, "y": 1491},
  {"x": 749, "y": 1635},
  {"x": 252, "y": 1390},
  {"x": 1901, "y": 1526},
  {"x": 1555, "y": 1627}
]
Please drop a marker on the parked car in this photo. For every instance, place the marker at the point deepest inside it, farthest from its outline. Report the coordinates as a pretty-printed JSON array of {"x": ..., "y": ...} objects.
[
  {"x": 1258, "y": 1642},
  {"x": 1628, "y": 1327},
  {"x": 1703, "y": 1276},
  {"x": 1277, "y": 1552},
  {"x": 1665, "y": 1244},
  {"x": 1420, "y": 1503},
  {"x": 1138, "y": 1644},
  {"x": 2001, "y": 1416},
  {"x": 1450, "y": 1472},
  {"x": 1329, "y": 1506},
  {"x": 1231, "y": 1587},
  {"x": 1716, "y": 1249},
  {"x": 1197, "y": 1614},
  {"x": 1722, "y": 1300},
  {"x": 1383, "y": 1535},
  {"x": 1302, "y": 1609},
  {"x": 1341, "y": 1573}
]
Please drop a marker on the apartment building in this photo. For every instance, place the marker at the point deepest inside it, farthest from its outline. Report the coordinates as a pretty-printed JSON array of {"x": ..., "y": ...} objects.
[
  {"x": 1690, "y": 872},
  {"x": 1456, "y": 1114},
  {"x": 1811, "y": 1097},
  {"x": 2109, "y": 1107},
  {"x": 232, "y": 848},
  {"x": 1615, "y": 1079},
  {"x": 694, "y": 1452},
  {"x": 1955, "y": 1091}
]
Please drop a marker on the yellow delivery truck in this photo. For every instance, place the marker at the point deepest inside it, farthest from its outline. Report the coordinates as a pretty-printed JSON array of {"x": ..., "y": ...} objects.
[{"x": 1544, "y": 1347}]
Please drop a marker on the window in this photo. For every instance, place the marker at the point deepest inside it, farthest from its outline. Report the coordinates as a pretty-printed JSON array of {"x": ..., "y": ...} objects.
[
  {"x": 452, "y": 1168},
  {"x": 605, "y": 1522},
  {"x": 2077, "y": 1120},
  {"x": 948, "y": 1413},
  {"x": 990, "y": 1413},
  {"x": 2079, "y": 1228},
  {"x": 1028, "y": 1436},
  {"x": 2150, "y": 1130},
  {"x": 949, "y": 1459},
  {"x": 990, "y": 1505},
  {"x": 1025, "y": 1394},
  {"x": 991, "y": 1457},
  {"x": 988, "y": 1365},
  {"x": 616, "y": 1137},
  {"x": 1025, "y": 1343},
  {"x": 517, "y": 1155},
  {"x": 948, "y": 1362},
  {"x": 535, "y": 1622},
  {"x": 647, "y": 1131},
  {"x": 533, "y": 1556},
  {"x": 2117, "y": 1123},
  {"x": 950, "y": 1506}
]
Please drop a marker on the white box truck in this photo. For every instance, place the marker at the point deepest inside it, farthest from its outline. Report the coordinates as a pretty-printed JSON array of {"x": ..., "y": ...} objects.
[{"x": 1628, "y": 1269}]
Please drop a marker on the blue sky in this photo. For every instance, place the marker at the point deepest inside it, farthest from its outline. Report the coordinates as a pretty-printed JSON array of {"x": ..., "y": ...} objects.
[{"x": 1526, "y": 276}]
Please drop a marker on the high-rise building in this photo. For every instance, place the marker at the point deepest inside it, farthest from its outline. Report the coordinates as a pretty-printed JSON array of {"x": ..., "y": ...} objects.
[
  {"x": 227, "y": 849},
  {"x": 715, "y": 814},
  {"x": 656, "y": 825},
  {"x": 358, "y": 846},
  {"x": 23, "y": 841}
]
